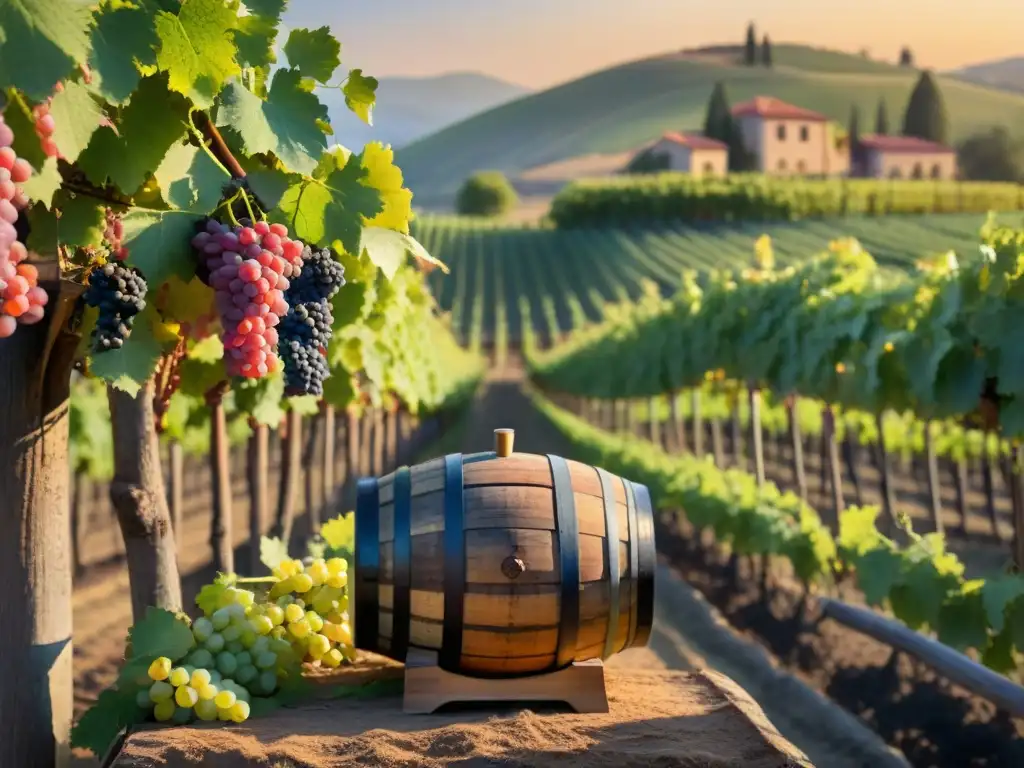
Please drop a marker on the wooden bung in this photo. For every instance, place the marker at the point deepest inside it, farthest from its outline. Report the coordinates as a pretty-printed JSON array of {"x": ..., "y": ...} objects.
[
  {"x": 504, "y": 440},
  {"x": 502, "y": 566}
]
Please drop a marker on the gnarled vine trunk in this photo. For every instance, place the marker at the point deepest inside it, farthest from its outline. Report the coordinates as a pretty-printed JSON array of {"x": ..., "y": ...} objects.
[
  {"x": 138, "y": 496},
  {"x": 35, "y": 540}
]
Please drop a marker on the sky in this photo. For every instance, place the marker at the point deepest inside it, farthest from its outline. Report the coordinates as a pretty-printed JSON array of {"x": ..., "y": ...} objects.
[{"x": 538, "y": 43}]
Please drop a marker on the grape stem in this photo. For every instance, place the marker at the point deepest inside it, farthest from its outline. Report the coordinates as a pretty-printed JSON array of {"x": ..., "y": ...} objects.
[{"x": 217, "y": 148}]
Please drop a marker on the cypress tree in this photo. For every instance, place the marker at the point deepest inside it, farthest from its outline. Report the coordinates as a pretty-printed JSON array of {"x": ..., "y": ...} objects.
[
  {"x": 750, "y": 50},
  {"x": 853, "y": 134},
  {"x": 882, "y": 119},
  {"x": 718, "y": 118},
  {"x": 906, "y": 57},
  {"x": 766, "y": 52},
  {"x": 925, "y": 116}
]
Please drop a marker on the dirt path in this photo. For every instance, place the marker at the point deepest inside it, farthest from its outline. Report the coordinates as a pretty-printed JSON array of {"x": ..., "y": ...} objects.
[{"x": 688, "y": 633}]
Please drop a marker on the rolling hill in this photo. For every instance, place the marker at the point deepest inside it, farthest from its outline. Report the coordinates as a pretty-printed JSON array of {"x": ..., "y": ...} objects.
[
  {"x": 620, "y": 108},
  {"x": 411, "y": 107},
  {"x": 1005, "y": 73}
]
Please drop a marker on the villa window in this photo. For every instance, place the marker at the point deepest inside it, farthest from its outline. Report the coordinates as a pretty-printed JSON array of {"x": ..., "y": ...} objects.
[
  {"x": 936, "y": 171},
  {"x": 782, "y": 166},
  {"x": 805, "y": 133},
  {"x": 709, "y": 169},
  {"x": 801, "y": 166},
  {"x": 894, "y": 173},
  {"x": 918, "y": 172},
  {"x": 780, "y": 132}
]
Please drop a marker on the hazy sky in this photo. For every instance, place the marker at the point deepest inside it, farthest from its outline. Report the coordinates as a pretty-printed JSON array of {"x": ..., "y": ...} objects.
[{"x": 542, "y": 42}]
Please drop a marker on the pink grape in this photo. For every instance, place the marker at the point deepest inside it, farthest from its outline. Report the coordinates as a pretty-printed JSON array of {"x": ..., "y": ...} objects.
[{"x": 8, "y": 325}]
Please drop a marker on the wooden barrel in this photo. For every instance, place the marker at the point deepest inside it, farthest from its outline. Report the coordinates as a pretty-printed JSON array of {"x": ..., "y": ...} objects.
[{"x": 503, "y": 566}]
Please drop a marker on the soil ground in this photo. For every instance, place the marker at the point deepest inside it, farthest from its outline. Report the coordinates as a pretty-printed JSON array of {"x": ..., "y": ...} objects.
[{"x": 689, "y": 634}]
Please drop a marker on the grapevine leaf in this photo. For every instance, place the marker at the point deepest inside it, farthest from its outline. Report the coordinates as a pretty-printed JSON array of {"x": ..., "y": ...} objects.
[
  {"x": 1011, "y": 416},
  {"x": 210, "y": 595},
  {"x": 40, "y": 42},
  {"x": 160, "y": 633},
  {"x": 261, "y": 706},
  {"x": 998, "y": 655},
  {"x": 315, "y": 53},
  {"x": 186, "y": 302},
  {"x": 261, "y": 399},
  {"x": 209, "y": 350},
  {"x": 284, "y": 124},
  {"x": 333, "y": 209},
  {"x": 77, "y": 116},
  {"x": 961, "y": 623},
  {"x": 102, "y": 723},
  {"x": 997, "y": 595},
  {"x": 388, "y": 250},
  {"x": 128, "y": 367},
  {"x": 189, "y": 179},
  {"x": 82, "y": 219},
  {"x": 385, "y": 176},
  {"x": 44, "y": 183},
  {"x": 122, "y": 40},
  {"x": 159, "y": 243},
  {"x": 307, "y": 405},
  {"x": 273, "y": 552},
  {"x": 196, "y": 49},
  {"x": 199, "y": 376},
  {"x": 152, "y": 122},
  {"x": 43, "y": 229},
  {"x": 361, "y": 95},
  {"x": 917, "y": 601},
  {"x": 257, "y": 32},
  {"x": 877, "y": 572},
  {"x": 338, "y": 389},
  {"x": 339, "y": 533},
  {"x": 269, "y": 185}
]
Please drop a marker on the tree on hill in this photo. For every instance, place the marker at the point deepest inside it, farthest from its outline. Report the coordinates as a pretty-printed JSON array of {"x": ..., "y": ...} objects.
[
  {"x": 925, "y": 116},
  {"x": 906, "y": 57},
  {"x": 882, "y": 119},
  {"x": 487, "y": 193},
  {"x": 766, "y": 51},
  {"x": 718, "y": 124},
  {"x": 992, "y": 155},
  {"x": 750, "y": 49}
]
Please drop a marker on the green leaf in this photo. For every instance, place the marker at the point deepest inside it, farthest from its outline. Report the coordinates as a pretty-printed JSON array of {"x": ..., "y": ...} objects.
[
  {"x": 186, "y": 302},
  {"x": 273, "y": 552},
  {"x": 257, "y": 32},
  {"x": 128, "y": 368},
  {"x": 209, "y": 350},
  {"x": 159, "y": 243},
  {"x": 997, "y": 595},
  {"x": 314, "y": 52},
  {"x": 197, "y": 50},
  {"x": 361, "y": 95},
  {"x": 269, "y": 185},
  {"x": 340, "y": 533},
  {"x": 307, "y": 405},
  {"x": 322, "y": 212},
  {"x": 189, "y": 179},
  {"x": 151, "y": 123},
  {"x": 262, "y": 399},
  {"x": 82, "y": 219},
  {"x": 200, "y": 376},
  {"x": 388, "y": 249},
  {"x": 44, "y": 183},
  {"x": 160, "y": 633},
  {"x": 962, "y": 624},
  {"x": 102, "y": 723},
  {"x": 41, "y": 41},
  {"x": 284, "y": 124},
  {"x": 122, "y": 41},
  {"x": 77, "y": 116},
  {"x": 338, "y": 389},
  {"x": 877, "y": 572},
  {"x": 209, "y": 596}
]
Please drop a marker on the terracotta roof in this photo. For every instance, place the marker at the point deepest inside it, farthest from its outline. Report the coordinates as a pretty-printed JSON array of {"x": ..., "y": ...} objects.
[
  {"x": 776, "y": 109},
  {"x": 904, "y": 145},
  {"x": 693, "y": 140}
]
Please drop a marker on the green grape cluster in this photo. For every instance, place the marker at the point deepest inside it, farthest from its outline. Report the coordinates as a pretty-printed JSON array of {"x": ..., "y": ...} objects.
[
  {"x": 181, "y": 694},
  {"x": 308, "y": 606}
]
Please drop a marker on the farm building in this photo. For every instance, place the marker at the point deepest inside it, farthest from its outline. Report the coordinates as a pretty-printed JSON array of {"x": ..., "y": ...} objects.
[
  {"x": 905, "y": 157},
  {"x": 789, "y": 140},
  {"x": 692, "y": 153}
]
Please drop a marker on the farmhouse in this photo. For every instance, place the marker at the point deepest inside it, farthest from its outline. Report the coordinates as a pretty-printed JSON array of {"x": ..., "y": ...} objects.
[
  {"x": 789, "y": 140},
  {"x": 904, "y": 157},
  {"x": 692, "y": 153}
]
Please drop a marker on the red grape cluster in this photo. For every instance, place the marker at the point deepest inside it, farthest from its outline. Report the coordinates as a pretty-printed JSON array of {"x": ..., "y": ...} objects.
[
  {"x": 250, "y": 266},
  {"x": 21, "y": 299}
]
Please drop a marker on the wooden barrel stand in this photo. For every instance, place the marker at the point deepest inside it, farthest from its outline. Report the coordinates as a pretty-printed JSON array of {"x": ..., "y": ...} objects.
[{"x": 502, "y": 576}]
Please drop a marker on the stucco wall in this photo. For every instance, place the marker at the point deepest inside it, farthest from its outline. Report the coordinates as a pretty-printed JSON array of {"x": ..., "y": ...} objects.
[
  {"x": 909, "y": 165},
  {"x": 693, "y": 161},
  {"x": 792, "y": 147}
]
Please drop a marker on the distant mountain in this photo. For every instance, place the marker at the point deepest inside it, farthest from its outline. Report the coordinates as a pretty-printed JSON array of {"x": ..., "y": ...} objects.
[
  {"x": 409, "y": 108},
  {"x": 1004, "y": 73}
]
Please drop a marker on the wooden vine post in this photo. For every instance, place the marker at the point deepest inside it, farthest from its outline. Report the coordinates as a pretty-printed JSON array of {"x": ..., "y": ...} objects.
[
  {"x": 35, "y": 549},
  {"x": 884, "y": 470},
  {"x": 934, "y": 487},
  {"x": 698, "y": 423},
  {"x": 291, "y": 450},
  {"x": 834, "y": 468},
  {"x": 259, "y": 493},
  {"x": 221, "y": 528},
  {"x": 796, "y": 444},
  {"x": 756, "y": 433}
]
